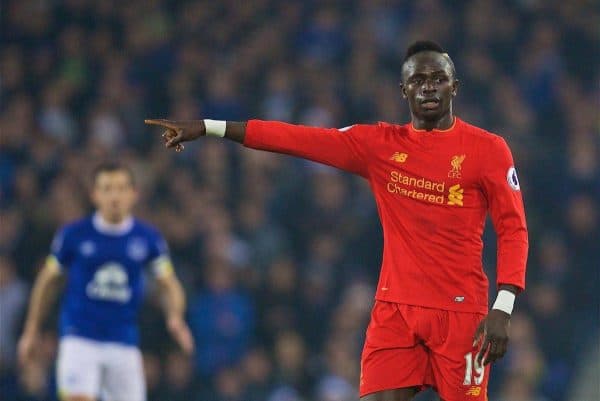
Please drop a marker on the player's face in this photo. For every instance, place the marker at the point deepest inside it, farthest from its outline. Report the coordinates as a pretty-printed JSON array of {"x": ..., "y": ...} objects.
[
  {"x": 114, "y": 195},
  {"x": 429, "y": 85}
]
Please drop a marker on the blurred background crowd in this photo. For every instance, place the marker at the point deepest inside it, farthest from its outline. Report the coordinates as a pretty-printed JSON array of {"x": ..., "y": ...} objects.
[{"x": 279, "y": 256}]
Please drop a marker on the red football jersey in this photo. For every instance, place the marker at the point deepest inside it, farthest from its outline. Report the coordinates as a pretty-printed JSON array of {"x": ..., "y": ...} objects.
[{"x": 433, "y": 190}]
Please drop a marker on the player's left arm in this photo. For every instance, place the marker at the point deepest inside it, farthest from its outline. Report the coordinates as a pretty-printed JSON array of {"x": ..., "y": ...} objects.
[
  {"x": 174, "y": 306},
  {"x": 501, "y": 187},
  {"x": 173, "y": 302}
]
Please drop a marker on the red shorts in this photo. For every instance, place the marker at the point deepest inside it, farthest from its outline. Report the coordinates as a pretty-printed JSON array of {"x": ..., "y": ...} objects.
[{"x": 413, "y": 346}]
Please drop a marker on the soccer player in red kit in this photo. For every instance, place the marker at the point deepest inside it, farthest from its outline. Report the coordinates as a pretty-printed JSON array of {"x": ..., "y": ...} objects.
[{"x": 434, "y": 180}]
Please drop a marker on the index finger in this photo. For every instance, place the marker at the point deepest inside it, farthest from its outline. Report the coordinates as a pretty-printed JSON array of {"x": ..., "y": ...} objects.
[
  {"x": 483, "y": 351},
  {"x": 479, "y": 333},
  {"x": 161, "y": 123},
  {"x": 492, "y": 354}
]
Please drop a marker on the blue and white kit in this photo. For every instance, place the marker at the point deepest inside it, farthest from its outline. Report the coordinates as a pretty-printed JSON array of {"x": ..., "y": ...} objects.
[{"x": 104, "y": 265}]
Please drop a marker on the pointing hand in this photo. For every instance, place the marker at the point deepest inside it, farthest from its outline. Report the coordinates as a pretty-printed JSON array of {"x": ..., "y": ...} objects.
[{"x": 177, "y": 132}]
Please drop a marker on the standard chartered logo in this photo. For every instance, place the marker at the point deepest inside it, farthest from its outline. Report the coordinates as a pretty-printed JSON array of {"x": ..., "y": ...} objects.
[
  {"x": 417, "y": 188},
  {"x": 422, "y": 189},
  {"x": 110, "y": 283},
  {"x": 455, "y": 195}
]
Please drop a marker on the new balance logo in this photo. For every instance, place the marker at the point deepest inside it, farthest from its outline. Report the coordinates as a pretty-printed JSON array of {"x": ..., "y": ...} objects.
[
  {"x": 474, "y": 391},
  {"x": 455, "y": 195},
  {"x": 399, "y": 157}
]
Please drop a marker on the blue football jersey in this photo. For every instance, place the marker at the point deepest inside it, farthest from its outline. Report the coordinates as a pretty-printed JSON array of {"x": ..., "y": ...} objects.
[{"x": 104, "y": 268}]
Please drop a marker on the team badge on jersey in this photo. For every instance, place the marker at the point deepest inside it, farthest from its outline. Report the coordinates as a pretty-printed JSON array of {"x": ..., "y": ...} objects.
[
  {"x": 456, "y": 163},
  {"x": 137, "y": 249},
  {"x": 87, "y": 248},
  {"x": 513, "y": 180}
]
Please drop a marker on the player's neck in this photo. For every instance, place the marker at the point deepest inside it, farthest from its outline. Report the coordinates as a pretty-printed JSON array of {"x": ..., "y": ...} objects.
[
  {"x": 443, "y": 123},
  {"x": 112, "y": 226}
]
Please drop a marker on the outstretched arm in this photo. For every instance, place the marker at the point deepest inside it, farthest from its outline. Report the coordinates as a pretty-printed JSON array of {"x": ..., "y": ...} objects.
[
  {"x": 177, "y": 132},
  {"x": 42, "y": 297},
  {"x": 342, "y": 148}
]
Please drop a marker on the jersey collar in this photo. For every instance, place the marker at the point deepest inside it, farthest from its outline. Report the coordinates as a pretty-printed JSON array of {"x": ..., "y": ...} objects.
[
  {"x": 104, "y": 227},
  {"x": 436, "y": 131}
]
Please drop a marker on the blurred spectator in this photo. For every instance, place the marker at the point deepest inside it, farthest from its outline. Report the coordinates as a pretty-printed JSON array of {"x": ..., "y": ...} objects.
[
  {"x": 258, "y": 370},
  {"x": 221, "y": 320},
  {"x": 291, "y": 360},
  {"x": 323, "y": 40},
  {"x": 13, "y": 299},
  {"x": 228, "y": 385},
  {"x": 279, "y": 300},
  {"x": 517, "y": 388},
  {"x": 335, "y": 389}
]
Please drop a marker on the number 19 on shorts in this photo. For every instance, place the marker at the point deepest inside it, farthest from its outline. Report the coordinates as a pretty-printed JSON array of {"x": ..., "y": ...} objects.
[{"x": 470, "y": 376}]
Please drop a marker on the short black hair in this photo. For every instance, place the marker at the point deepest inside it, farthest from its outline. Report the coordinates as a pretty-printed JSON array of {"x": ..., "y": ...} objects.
[
  {"x": 427, "y": 46},
  {"x": 111, "y": 167},
  {"x": 423, "y": 46}
]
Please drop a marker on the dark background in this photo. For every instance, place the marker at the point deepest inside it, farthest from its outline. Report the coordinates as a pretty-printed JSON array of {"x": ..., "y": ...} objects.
[{"x": 279, "y": 256}]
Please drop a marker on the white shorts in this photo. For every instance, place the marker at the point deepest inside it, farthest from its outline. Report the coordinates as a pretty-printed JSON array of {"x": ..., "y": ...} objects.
[{"x": 93, "y": 369}]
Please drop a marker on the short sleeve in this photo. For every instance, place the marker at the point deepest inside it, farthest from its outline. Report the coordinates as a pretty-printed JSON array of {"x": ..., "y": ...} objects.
[
  {"x": 159, "y": 258},
  {"x": 61, "y": 250}
]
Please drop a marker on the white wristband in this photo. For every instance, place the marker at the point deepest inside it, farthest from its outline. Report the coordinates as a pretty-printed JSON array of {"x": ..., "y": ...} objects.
[
  {"x": 505, "y": 301},
  {"x": 215, "y": 127}
]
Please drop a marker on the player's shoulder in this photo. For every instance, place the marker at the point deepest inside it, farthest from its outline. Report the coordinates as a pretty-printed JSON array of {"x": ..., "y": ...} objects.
[
  {"x": 70, "y": 233},
  {"x": 475, "y": 131},
  {"x": 76, "y": 227},
  {"x": 481, "y": 135},
  {"x": 151, "y": 236},
  {"x": 145, "y": 228}
]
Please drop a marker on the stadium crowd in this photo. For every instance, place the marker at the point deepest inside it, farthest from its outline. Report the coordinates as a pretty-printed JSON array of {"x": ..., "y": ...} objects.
[{"x": 280, "y": 256}]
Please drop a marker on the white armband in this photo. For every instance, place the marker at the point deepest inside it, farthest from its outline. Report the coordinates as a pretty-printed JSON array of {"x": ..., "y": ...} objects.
[
  {"x": 215, "y": 127},
  {"x": 505, "y": 301}
]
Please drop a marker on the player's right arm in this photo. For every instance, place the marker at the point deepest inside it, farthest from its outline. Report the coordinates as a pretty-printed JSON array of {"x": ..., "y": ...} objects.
[
  {"x": 341, "y": 148},
  {"x": 42, "y": 297}
]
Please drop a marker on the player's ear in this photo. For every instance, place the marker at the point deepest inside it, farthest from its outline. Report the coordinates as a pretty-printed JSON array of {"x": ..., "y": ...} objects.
[
  {"x": 403, "y": 90},
  {"x": 455, "y": 85}
]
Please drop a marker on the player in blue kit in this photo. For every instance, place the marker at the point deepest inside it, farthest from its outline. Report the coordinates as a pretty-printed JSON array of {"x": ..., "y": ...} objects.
[{"x": 103, "y": 258}]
